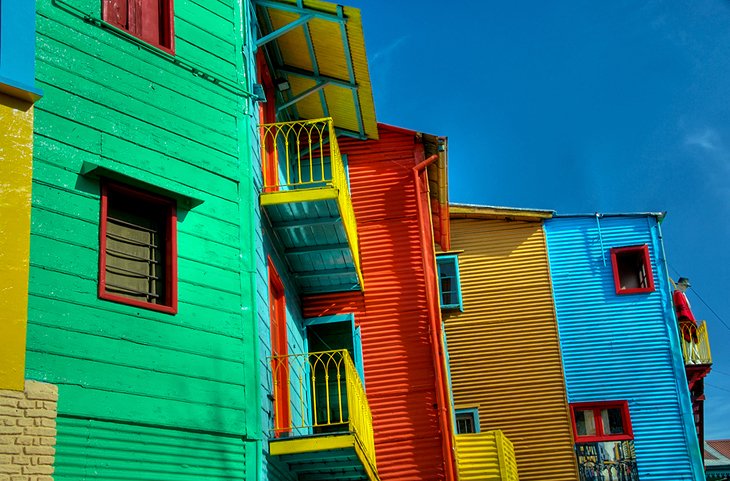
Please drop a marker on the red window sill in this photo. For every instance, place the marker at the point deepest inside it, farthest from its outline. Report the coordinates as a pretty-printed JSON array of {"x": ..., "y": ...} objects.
[{"x": 134, "y": 303}]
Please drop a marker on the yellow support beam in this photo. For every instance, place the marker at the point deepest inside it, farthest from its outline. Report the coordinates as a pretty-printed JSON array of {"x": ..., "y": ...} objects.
[{"x": 16, "y": 172}]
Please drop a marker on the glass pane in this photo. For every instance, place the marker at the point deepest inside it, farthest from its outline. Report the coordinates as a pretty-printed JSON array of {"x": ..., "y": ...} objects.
[
  {"x": 585, "y": 422},
  {"x": 612, "y": 421}
]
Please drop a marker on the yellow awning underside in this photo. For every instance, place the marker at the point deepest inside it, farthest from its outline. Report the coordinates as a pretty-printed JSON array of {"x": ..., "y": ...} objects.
[{"x": 325, "y": 55}]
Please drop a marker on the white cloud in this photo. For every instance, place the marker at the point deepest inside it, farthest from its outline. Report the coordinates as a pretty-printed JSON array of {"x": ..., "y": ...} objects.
[
  {"x": 387, "y": 50},
  {"x": 707, "y": 139}
]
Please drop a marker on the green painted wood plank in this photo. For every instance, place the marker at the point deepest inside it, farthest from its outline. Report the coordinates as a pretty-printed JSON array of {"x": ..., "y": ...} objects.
[
  {"x": 78, "y": 290},
  {"x": 153, "y": 90},
  {"x": 136, "y": 350},
  {"x": 200, "y": 338},
  {"x": 102, "y": 42},
  {"x": 76, "y": 400},
  {"x": 140, "y": 382},
  {"x": 125, "y": 125}
]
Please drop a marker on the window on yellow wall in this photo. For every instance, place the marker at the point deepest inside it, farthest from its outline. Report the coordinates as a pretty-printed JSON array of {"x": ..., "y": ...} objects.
[{"x": 449, "y": 282}]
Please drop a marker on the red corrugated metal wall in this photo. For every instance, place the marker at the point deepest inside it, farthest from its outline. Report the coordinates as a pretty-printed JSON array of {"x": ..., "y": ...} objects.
[{"x": 393, "y": 311}]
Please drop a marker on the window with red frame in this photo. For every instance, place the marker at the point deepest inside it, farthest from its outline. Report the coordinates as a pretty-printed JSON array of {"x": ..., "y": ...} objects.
[
  {"x": 138, "y": 248},
  {"x": 606, "y": 421},
  {"x": 632, "y": 270},
  {"x": 148, "y": 20}
]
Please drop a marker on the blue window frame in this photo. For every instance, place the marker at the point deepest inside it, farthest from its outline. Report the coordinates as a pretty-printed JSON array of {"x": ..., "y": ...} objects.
[
  {"x": 467, "y": 421},
  {"x": 449, "y": 283}
]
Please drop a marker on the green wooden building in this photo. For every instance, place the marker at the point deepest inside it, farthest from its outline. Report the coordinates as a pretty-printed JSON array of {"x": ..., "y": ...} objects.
[{"x": 141, "y": 293}]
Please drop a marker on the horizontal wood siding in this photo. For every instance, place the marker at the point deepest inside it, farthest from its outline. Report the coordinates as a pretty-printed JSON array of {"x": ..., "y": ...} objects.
[
  {"x": 112, "y": 102},
  {"x": 504, "y": 350},
  {"x": 392, "y": 312}
]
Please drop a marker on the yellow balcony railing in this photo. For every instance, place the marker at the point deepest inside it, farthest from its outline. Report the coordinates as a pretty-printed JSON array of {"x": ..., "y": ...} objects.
[
  {"x": 487, "y": 456},
  {"x": 326, "y": 396},
  {"x": 695, "y": 343},
  {"x": 305, "y": 155}
]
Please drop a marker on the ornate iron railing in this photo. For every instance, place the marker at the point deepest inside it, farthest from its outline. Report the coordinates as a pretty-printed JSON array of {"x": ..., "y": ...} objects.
[
  {"x": 305, "y": 155},
  {"x": 695, "y": 343},
  {"x": 327, "y": 396}
]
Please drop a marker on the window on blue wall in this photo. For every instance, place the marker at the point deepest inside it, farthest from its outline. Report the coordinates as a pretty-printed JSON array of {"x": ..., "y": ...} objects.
[
  {"x": 449, "y": 284},
  {"x": 632, "y": 270},
  {"x": 467, "y": 421}
]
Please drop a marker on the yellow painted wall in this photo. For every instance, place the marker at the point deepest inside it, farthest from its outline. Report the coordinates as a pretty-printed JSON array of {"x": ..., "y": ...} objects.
[
  {"x": 503, "y": 349},
  {"x": 16, "y": 170}
]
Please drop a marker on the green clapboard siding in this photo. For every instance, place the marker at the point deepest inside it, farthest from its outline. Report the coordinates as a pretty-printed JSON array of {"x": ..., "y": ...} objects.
[
  {"x": 143, "y": 394},
  {"x": 89, "y": 449}
]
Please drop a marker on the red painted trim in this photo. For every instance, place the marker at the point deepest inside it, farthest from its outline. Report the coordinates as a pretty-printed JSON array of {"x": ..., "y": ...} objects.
[
  {"x": 596, "y": 407},
  {"x": 279, "y": 347},
  {"x": 170, "y": 306},
  {"x": 267, "y": 115},
  {"x": 644, "y": 249}
]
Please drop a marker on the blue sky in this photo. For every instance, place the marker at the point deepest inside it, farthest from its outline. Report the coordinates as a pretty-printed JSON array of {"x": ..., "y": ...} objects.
[{"x": 578, "y": 106}]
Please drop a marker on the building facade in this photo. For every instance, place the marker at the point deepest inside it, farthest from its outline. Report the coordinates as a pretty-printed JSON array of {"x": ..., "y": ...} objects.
[
  {"x": 624, "y": 370},
  {"x": 141, "y": 298},
  {"x": 502, "y": 336},
  {"x": 397, "y": 312}
]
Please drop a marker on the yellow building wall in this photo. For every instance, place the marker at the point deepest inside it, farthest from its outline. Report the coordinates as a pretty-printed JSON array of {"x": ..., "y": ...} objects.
[
  {"x": 16, "y": 170},
  {"x": 504, "y": 350}
]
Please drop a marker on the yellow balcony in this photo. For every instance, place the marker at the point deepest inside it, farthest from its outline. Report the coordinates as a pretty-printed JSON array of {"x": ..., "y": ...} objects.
[
  {"x": 487, "y": 456},
  {"x": 306, "y": 197},
  {"x": 323, "y": 428},
  {"x": 695, "y": 344}
]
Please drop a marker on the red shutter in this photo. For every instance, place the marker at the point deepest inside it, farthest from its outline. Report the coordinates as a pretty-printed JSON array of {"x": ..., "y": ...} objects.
[{"x": 116, "y": 12}]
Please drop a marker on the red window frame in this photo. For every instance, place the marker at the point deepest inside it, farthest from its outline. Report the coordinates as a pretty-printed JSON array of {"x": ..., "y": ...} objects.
[
  {"x": 170, "y": 304},
  {"x": 600, "y": 436},
  {"x": 152, "y": 21},
  {"x": 280, "y": 348},
  {"x": 644, "y": 251}
]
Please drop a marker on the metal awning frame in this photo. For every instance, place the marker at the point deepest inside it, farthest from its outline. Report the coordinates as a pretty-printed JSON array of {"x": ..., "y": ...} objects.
[{"x": 306, "y": 15}]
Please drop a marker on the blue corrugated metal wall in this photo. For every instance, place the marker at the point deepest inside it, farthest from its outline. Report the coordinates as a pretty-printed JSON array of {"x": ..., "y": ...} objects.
[{"x": 623, "y": 347}]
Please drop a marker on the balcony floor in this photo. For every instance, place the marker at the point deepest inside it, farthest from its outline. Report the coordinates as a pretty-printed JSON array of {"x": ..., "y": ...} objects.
[
  {"x": 308, "y": 225},
  {"x": 324, "y": 457}
]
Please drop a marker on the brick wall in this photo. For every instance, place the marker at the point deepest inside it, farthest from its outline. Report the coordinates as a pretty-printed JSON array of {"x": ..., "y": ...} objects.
[{"x": 28, "y": 432}]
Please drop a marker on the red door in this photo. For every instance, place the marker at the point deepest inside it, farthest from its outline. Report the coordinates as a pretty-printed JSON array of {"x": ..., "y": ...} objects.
[{"x": 279, "y": 352}]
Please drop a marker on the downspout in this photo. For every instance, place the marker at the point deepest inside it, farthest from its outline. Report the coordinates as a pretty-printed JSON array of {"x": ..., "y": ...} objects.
[
  {"x": 428, "y": 252},
  {"x": 247, "y": 171},
  {"x": 685, "y": 400}
]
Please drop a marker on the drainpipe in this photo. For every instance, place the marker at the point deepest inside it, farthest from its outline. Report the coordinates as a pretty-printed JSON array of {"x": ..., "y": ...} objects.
[
  {"x": 678, "y": 368},
  {"x": 428, "y": 252}
]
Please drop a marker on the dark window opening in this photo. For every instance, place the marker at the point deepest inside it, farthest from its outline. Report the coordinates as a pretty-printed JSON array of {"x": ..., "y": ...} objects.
[
  {"x": 137, "y": 248},
  {"x": 467, "y": 421},
  {"x": 632, "y": 270}
]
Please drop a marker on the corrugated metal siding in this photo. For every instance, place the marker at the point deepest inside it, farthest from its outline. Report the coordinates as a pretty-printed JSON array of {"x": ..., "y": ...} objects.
[
  {"x": 392, "y": 312},
  {"x": 504, "y": 350},
  {"x": 618, "y": 347},
  {"x": 91, "y": 449},
  {"x": 479, "y": 454},
  {"x": 331, "y": 60}
]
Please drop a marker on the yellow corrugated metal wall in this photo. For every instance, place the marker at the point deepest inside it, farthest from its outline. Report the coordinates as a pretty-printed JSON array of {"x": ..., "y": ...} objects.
[{"x": 504, "y": 350}]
